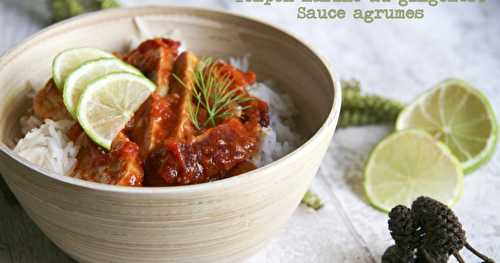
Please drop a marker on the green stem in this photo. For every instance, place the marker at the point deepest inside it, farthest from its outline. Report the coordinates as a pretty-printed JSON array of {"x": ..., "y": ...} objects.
[
  {"x": 358, "y": 109},
  {"x": 357, "y": 118}
]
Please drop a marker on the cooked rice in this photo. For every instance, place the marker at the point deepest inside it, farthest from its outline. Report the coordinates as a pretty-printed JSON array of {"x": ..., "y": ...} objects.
[
  {"x": 279, "y": 138},
  {"x": 47, "y": 145}
]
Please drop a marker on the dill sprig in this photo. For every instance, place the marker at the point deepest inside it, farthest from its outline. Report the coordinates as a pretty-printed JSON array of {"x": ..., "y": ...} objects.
[{"x": 212, "y": 92}]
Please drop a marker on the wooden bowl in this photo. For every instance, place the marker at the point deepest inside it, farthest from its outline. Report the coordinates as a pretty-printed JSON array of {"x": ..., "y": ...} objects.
[{"x": 222, "y": 221}]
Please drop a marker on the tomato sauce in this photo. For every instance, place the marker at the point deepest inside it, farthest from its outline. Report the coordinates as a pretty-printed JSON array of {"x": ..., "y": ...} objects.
[{"x": 161, "y": 146}]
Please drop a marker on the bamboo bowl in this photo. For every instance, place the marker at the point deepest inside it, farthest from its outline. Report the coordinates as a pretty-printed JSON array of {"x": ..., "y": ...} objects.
[{"x": 223, "y": 221}]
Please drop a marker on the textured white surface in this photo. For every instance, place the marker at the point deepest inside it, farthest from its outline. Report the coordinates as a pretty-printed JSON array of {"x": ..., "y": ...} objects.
[{"x": 399, "y": 59}]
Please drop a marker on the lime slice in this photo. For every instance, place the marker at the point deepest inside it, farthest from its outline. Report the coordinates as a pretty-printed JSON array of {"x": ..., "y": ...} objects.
[
  {"x": 409, "y": 164},
  {"x": 458, "y": 115},
  {"x": 108, "y": 103},
  {"x": 68, "y": 60},
  {"x": 80, "y": 78}
]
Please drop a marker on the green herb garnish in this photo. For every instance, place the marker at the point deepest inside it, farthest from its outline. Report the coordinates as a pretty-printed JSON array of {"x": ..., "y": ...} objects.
[
  {"x": 312, "y": 200},
  {"x": 212, "y": 92}
]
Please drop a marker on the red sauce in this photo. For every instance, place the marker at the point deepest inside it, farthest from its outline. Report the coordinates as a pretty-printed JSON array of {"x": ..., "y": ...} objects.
[
  {"x": 210, "y": 157},
  {"x": 160, "y": 146},
  {"x": 120, "y": 166},
  {"x": 151, "y": 124},
  {"x": 155, "y": 58},
  {"x": 214, "y": 153}
]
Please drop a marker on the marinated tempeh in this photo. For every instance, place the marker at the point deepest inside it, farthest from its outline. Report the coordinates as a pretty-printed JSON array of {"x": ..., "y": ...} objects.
[
  {"x": 215, "y": 153},
  {"x": 199, "y": 125},
  {"x": 48, "y": 103},
  {"x": 120, "y": 166},
  {"x": 155, "y": 58}
]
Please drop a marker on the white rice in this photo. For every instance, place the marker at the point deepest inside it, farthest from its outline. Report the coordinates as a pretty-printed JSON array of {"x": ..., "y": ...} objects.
[
  {"x": 280, "y": 138},
  {"x": 47, "y": 145}
]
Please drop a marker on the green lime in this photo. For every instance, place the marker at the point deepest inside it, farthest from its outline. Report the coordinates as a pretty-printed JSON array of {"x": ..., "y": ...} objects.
[
  {"x": 79, "y": 79},
  {"x": 68, "y": 60},
  {"x": 458, "y": 115},
  {"x": 409, "y": 164},
  {"x": 108, "y": 103}
]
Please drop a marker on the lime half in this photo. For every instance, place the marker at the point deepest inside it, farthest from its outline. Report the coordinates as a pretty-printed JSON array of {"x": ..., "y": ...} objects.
[
  {"x": 409, "y": 164},
  {"x": 108, "y": 103},
  {"x": 81, "y": 77},
  {"x": 68, "y": 60},
  {"x": 458, "y": 115}
]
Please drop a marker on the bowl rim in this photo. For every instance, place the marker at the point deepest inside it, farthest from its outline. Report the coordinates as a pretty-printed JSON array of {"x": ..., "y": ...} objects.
[{"x": 329, "y": 123}]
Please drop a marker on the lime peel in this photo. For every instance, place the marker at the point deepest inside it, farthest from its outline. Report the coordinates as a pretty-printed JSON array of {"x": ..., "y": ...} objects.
[{"x": 68, "y": 60}]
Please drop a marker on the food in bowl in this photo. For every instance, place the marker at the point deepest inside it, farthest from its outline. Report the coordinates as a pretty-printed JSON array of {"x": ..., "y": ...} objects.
[
  {"x": 154, "y": 117},
  {"x": 222, "y": 221}
]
